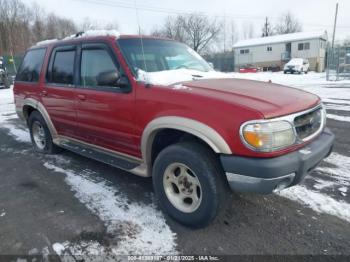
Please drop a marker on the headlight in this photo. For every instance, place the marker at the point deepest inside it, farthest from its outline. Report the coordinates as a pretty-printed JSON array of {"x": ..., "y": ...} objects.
[{"x": 268, "y": 136}]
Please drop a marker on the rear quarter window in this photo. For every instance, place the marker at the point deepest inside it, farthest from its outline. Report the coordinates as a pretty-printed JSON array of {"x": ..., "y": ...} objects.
[{"x": 32, "y": 63}]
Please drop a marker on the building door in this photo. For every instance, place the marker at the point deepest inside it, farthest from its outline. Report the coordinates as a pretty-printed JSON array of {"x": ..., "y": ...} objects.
[{"x": 289, "y": 49}]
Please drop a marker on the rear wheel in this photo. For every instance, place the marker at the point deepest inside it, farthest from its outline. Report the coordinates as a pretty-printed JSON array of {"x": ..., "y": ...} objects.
[
  {"x": 189, "y": 183},
  {"x": 40, "y": 134}
]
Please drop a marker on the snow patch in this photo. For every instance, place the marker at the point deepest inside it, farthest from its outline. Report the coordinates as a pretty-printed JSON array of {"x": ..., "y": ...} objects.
[
  {"x": 93, "y": 33},
  {"x": 321, "y": 184},
  {"x": 339, "y": 118},
  {"x": 46, "y": 42},
  {"x": 170, "y": 77},
  {"x": 18, "y": 134},
  {"x": 58, "y": 248},
  {"x": 181, "y": 87},
  {"x": 281, "y": 38},
  {"x": 140, "y": 229},
  {"x": 319, "y": 202}
]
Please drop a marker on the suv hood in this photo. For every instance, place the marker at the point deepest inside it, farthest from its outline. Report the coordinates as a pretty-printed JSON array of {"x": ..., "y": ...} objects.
[{"x": 271, "y": 100}]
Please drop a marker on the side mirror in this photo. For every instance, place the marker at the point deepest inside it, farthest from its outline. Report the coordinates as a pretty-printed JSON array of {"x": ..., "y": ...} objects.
[
  {"x": 123, "y": 82},
  {"x": 109, "y": 78},
  {"x": 112, "y": 78},
  {"x": 211, "y": 65}
]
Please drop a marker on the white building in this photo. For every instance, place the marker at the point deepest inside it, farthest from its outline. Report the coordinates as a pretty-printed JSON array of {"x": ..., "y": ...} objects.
[{"x": 277, "y": 50}]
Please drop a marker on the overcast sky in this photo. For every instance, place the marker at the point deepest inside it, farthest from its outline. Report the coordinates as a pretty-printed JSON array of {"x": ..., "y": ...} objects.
[{"x": 313, "y": 14}]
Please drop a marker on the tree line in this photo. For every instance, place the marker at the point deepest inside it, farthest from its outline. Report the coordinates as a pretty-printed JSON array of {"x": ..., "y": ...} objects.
[{"x": 21, "y": 26}]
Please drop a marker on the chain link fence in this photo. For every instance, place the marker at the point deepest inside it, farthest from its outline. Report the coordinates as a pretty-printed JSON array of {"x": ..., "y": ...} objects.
[{"x": 338, "y": 63}]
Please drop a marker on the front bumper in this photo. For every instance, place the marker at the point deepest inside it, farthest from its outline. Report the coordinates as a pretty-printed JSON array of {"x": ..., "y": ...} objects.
[
  {"x": 292, "y": 71},
  {"x": 266, "y": 175}
]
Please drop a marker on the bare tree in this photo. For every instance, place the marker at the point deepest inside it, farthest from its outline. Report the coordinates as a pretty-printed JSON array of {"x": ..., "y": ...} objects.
[
  {"x": 89, "y": 24},
  {"x": 229, "y": 35},
  {"x": 267, "y": 28},
  {"x": 200, "y": 30},
  {"x": 173, "y": 29},
  {"x": 38, "y": 27},
  {"x": 248, "y": 30},
  {"x": 21, "y": 26},
  {"x": 287, "y": 24},
  {"x": 196, "y": 30}
]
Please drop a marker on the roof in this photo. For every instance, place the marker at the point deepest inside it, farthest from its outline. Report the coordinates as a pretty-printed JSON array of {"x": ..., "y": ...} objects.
[{"x": 281, "y": 38}]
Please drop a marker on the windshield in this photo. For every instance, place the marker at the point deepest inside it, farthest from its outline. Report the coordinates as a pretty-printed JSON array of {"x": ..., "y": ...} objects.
[{"x": 161, "y": 55}]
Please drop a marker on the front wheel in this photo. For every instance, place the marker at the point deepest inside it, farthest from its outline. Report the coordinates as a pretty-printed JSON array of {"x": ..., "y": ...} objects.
[
  {"x": 40, "y": 134},
  {"x": 189, "y": 183}
]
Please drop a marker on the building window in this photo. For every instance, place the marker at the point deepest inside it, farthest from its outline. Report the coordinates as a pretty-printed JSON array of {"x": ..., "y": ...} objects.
[
  {"x": 244, "y": 51},
  {"x": 269, "y": 49},
  {"x": 304, "y": 46}
]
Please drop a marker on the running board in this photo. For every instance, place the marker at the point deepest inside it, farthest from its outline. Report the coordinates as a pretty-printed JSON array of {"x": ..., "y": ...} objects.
[{"x": 113, "y": 159}]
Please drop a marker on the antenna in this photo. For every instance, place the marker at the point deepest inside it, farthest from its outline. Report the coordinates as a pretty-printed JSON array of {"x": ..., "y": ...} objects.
[{"x": 140, "y": 33}]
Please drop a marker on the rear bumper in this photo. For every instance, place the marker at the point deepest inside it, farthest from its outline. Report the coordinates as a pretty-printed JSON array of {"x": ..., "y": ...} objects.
[{"x": 266, "y": 175}]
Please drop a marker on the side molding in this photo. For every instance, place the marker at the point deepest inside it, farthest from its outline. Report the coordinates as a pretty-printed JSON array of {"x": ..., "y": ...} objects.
[
  {"x": 198, "y": 129},
  {"x": 38, "y": 106}
]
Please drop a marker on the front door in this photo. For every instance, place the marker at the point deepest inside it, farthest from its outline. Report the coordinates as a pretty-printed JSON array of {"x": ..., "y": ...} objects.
[
  {"x": 58, "y": 95},
  {"x": 105, "y": 112}
]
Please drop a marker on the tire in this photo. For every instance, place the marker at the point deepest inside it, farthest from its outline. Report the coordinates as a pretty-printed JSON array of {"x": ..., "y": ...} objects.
[
  {"x": 198, "y": 162},
  {"x": 40, "y": 135}
]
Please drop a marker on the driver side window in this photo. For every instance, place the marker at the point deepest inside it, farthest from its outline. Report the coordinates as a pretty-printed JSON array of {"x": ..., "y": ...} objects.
[{"x": 95, "y": 62}]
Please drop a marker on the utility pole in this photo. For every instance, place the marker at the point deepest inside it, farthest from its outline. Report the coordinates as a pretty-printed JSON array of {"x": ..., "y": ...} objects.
[
  {"x": 333, "y": 39},
  {"x": 335, "y": 24}
]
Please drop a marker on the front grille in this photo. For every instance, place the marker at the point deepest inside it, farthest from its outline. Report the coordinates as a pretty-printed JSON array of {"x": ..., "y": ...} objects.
[{"x": 308, "y": 124}]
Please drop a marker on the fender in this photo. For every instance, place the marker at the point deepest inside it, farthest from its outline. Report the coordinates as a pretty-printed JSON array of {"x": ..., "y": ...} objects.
[
  {"x": 40, "y": 107},
  {"x": 198, "y": 129}
]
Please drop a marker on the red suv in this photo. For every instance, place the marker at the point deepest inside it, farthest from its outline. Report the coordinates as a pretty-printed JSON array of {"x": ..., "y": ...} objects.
[{"x": 155, "y": 108}]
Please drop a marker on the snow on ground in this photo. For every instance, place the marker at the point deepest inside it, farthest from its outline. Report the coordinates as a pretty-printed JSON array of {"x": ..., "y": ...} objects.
[
  {"x": 138, "y": 228},
  {"x": 339, "y": 180},
  {"x": 141, "y": 229},
  {"x": 7, "y": 113}
]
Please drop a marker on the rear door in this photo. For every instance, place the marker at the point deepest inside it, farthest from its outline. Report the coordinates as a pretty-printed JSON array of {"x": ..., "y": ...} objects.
[
  {"x": 58, "y": 96},
  {"x": 105, "y": 113}
]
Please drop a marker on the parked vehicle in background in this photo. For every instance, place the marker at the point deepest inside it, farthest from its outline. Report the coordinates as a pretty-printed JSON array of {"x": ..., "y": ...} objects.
[
  {"x": 249, "y": 69},
  {"x": 4, "y": 79},
  {"x": 129, "y": 102},
  {"x": 297, "y": 65}
]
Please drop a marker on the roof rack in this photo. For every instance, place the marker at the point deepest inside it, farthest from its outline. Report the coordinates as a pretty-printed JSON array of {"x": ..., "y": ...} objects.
[{"x": 88, "y": 33}]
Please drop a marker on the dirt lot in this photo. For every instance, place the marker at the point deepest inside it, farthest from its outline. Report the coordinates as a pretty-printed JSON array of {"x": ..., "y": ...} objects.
[{"x": 68, "y": 204}]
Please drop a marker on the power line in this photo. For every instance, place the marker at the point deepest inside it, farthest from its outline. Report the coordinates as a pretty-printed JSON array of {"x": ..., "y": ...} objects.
[
  {"x": 127, "y": 5},
  {"x": 166, "y": 10}
]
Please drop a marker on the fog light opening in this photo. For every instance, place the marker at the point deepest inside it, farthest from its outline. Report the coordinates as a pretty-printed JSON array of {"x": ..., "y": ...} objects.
[{"x": 284, "y": 183}]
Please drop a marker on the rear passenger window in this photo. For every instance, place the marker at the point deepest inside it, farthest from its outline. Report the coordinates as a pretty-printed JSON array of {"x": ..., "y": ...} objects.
[
  {"x": 31, "y": 66},
  {"x": 93, "y": 63},
  {"x": 61, "y": 70}
]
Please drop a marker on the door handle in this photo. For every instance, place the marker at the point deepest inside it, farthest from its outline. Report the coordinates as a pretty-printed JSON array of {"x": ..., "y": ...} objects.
[
  {"x": 44, "y": 93},
  {"x": 82, "y": 97}
]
